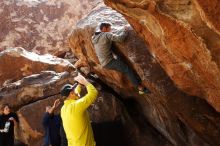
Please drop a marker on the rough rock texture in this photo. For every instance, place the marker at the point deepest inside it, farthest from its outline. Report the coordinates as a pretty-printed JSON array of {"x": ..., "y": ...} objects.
[
  {"x": 33, "y": 88},
  {"x": 40, "y": 25},
  {"x": 178, "y": 43},
  {"x": 17, "y": 63},
  {"x": 209, "y": 11},
  {"x": 184, "y": 57}
]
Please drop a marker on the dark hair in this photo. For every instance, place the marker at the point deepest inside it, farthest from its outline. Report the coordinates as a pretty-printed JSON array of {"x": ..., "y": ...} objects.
[
  {"x": 104, "y": 24},
  {"x": 4, "y": 105}
]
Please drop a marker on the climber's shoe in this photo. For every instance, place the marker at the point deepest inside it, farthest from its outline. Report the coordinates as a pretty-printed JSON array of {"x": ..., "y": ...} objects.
[{"x": 144, "y": 91}]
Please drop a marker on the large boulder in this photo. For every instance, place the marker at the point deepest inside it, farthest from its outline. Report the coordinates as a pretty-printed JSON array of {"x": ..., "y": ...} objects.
[
  {"x": 33, "y": 88},
  {"x": 181, "y": 118},
  {"x": 184, "y": 38},
  {"x": 17, "y": 63},
  {"x": 41, "y": 26}
]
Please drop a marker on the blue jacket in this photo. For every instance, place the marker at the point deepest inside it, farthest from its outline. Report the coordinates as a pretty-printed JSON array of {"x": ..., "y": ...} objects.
[{"x": 51, "y": 125}]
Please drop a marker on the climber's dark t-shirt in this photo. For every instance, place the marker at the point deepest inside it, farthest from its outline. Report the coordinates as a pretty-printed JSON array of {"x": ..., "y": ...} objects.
[{"x": 7, "y": 137}]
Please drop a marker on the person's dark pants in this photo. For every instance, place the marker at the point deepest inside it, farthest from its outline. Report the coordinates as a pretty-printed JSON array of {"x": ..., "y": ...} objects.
[
  {"x": 120, "y": 66},
  {"x": 7, "y": 141},
  {"x": 64, "y": 141}
]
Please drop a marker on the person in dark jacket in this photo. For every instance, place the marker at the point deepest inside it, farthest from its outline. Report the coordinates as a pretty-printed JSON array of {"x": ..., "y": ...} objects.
[
  {"x": 52, "y": 125},
  {"x": 8, "y": 120},
  {"x": 102, "y": 42}
]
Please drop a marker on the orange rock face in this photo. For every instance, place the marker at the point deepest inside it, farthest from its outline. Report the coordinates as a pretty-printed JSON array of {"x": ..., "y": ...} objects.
[
  {"x": 176, "y": 32},
  {"x": 210, "y": 10},
  {"x": 168, "y": 49},
  {"x": 17, "y": 63},
  {"x": 41, "y": 26}
]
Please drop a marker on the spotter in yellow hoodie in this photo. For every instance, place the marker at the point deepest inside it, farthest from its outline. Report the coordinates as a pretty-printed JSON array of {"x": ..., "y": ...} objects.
[{"x": 75, "y": 117}]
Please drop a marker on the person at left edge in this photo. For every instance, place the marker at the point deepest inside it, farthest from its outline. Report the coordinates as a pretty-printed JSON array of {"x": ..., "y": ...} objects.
[{"x": 8, "y": 120}]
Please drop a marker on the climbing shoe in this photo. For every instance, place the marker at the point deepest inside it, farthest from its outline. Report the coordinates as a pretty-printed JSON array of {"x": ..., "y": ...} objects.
[{"x": 144, "y": 91}]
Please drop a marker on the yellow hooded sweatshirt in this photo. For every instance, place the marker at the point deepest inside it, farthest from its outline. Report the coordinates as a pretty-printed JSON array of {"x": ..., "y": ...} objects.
[{"x": 76, "y": 121}]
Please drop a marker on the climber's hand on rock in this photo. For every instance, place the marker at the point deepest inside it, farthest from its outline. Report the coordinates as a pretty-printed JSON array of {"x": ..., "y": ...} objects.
[{"x": 82, "y": 80}]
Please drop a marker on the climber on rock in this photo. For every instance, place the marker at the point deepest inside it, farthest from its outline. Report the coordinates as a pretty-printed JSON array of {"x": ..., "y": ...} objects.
[{"x": 102, "y": 42}]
